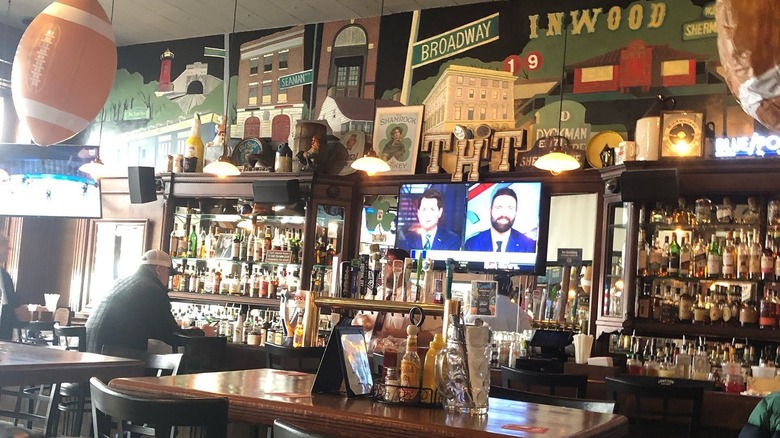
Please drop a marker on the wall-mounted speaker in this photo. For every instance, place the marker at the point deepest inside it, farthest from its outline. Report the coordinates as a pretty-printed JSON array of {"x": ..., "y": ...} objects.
[
  {"x": 649, "y": 185},
  {"x": 277, "y": 192},
  {"x": 141, "y": 182}
]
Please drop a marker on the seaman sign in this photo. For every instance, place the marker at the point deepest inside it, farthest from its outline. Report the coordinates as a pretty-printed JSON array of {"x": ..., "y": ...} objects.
[
  {"x": 458, "y": 40},
  {"x": 296, "y": 79}
]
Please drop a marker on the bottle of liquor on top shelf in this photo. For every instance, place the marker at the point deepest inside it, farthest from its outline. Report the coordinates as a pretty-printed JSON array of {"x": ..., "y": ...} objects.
[
  {"x": 673, "y": 263},
  {"x": 768, "y": 260},
  {"x": 655, "y": 258},
  {"x": 645, "y": 302},
  {"x": 686, "y": 259},
  {"x": 713, "y": 258},
  {"x": 665, "y": 257},
  {"x": 173, "y": 242},
  {"x": 743, "y": 256},
  {"x": 183, "y": 243},
  {"x": 642, "y": 254},
  {"x": 754, "y": 263},
  {"x": 682, "y": 215},
  {"x": 729, "y": 268},
  {"x": 202, "y": 250},
  {"x": 700, "y": 258},
  {"x": 192, "y": 250}
]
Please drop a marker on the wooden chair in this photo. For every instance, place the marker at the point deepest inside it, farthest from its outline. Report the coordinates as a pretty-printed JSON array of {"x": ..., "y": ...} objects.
[
  {"x": 658, "y": 406},
  {"x": 156, "y": 364},
  {"x": 160, "y": 414},
  {"x": 40, "y": 417},
  {"x": 514, "y": 379},
  {"x": 283, "y": 429},
  {"x": 202, "y": 354},
  {"x": 605, "y": 407}
]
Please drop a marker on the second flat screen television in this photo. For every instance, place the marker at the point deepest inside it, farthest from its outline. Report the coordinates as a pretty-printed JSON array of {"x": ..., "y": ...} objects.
[{"x": 482, "y": 226}]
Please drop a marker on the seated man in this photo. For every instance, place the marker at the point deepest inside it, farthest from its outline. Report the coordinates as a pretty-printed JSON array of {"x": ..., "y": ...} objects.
[{"x": 137, "y": 309}]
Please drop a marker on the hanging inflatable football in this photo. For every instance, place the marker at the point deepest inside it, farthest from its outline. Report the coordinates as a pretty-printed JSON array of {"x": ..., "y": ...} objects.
[
  {"x": 63, "y": 69},
  {"x": 749, "y": 46}
]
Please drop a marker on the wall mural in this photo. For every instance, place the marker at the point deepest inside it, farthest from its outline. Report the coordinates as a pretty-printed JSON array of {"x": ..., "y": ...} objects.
[{"x": 494, "y": 70}]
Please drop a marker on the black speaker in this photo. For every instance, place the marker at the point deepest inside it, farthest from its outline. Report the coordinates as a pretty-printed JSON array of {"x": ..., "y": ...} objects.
[
  {"x": 277, "y": 192},
  {"x": 142, "y": 185},
  {"x": 649, "y": 185}
]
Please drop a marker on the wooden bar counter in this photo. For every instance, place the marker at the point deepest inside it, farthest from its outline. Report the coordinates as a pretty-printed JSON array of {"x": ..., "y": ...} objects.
[{"x": 259, "y": 396}]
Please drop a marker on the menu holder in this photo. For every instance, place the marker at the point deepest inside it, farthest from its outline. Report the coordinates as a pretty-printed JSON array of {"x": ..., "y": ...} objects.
[{"x": 345, "y": 361}]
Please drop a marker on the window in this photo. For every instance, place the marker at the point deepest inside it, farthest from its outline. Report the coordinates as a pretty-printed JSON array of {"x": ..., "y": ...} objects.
[
  {"x": 470, "y": 113},
  {"x": 483, "y": 94},
  {"x": 351, "y": 36},
  {"x": 471, "y": 93},
  {"x": 283, "y": 55},
  {"x": 504, "y": 96},
  {"x": 458, "y": 92},
  {"x": 281, "y": 96},
  {"x": 472, "y": 81},
  {"x": 495, "y": 83},
  {"x": 266, "y": 92},
  {"x": 482, "y": 112},
  {"x": 483, "y": 82},
  {"x": 254, "y": 65},
  {"x": 495, "y": 94},
  {"x": 252, "y": 94},
  {"x": 348, "y": 77},
  {"x": 457, "y": 113},
  {"x": 268, "y": 63},
  {"x": 459, "y": 79}
]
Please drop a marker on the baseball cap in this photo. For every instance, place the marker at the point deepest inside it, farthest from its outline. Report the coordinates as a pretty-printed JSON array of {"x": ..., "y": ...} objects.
[{"x": 158, "y": 258}]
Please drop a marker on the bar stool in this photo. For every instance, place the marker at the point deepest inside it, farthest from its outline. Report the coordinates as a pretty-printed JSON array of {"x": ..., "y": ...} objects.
[
  {"x": 304, "y": 358},
  {"x": 530, "y": 379},
  {"x": 283, "y": 429},
  {"x": 74, "y": 396}
]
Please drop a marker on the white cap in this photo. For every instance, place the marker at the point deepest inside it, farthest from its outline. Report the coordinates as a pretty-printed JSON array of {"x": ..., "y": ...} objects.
[{"x": 158, "y": 258}]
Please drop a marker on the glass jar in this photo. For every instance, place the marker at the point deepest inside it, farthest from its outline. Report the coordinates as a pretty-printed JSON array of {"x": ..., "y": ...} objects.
[
  {"x": 703, "y": 211},
  {"x": 748, "y": 314},
  {"x": 391, "y": 380}
]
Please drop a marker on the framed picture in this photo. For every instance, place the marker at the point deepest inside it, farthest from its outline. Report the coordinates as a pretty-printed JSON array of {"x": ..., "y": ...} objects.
[
  {"x": 397, "y": 137},
  {"x": 682, "y": 134}
]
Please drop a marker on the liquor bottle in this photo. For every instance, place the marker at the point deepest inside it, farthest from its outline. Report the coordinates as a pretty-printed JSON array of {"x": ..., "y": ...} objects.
[
  {"x": 654, "y": 266},
  {"x": 682, "y": 215},
  {"x": 685, "y": 312},
  {"x": 642, "y": 253},
  {"x": 716, "y": 306},
  {"x": 699, "y": 310},
  {"x": 211, "y": 243},
  {"x": 235, "y": 250},
  {"x": 658, "y": 300},
  {"x": 743, "y": 256},
  {"x": 257, "y": 248},
  {"x": 713, "y": 259},
  {"x": 658, "y": 214},
  {"x": 729, "y": 269},
  {"x": 668, "y": 315},
  {"x": 331, "y": 251},
  {"x": 754, "y": 264},
  {"x": 192, "y": 250},
  {"x": 267, "y": 242},
  {"x": 242, "y": 251},
  {"x": 665, "y": 257},
  {"x": 276, "y": 242},
  {"x": 250, "y": 246},
  {"x": 686, "y": 256},
  {"x": 645, "y": 302},
  {"x": 173, "y": 243},
  {"x": 767, "y": 312},
  {"x": 673, "y": 263},
  {"x": 183, "y": 243},
  {"x": 700, "y": 258},
  {"x": 217, "y": 281},
  {"x": 748, "y": 314},
  {"x": 202, "y": 250},
  {"x": 410, "y": 367},
  {"x": 768, "y": 261}
]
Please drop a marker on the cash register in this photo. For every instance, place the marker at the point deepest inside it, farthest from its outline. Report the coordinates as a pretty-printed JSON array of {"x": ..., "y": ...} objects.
[{"x": 546, "y": 352}]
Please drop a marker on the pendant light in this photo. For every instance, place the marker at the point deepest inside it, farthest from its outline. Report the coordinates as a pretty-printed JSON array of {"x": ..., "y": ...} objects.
[
  {"x": 370, "y": 163},
  {"x": 557, "y": 161},
  {"x": 224, "y": 166}
]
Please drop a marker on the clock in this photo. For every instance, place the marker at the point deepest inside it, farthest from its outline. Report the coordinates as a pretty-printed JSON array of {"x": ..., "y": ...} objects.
[{"x": 681, "y": 134}]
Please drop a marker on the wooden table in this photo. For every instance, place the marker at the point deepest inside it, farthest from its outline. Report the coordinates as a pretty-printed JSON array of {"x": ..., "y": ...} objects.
[
  {"x": 22, "y": 364},
  {"x": 262, "y": 395}
]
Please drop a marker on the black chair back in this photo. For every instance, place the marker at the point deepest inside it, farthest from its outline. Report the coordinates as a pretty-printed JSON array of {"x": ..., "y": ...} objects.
[
  {"x": 202, "y": 354},
  {"x": 64, "y": 336},
  {"x": 656, "y": 406},
  {"x": 210, "y": 414},
  {"x": 283, "y": 429},
  {"x": 529, "y": 381},
  {"x": 602, "y": 406},
  {"x": 156, "y": 364}
]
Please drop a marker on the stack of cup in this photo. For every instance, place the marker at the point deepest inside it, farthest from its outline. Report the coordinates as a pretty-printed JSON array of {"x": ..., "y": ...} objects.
[{"x": 582, "y": 347}]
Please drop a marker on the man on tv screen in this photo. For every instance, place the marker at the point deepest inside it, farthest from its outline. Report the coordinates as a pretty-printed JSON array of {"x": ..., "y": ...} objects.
[
  {"x": 501, "y": 237},
  {"x": 429, "y": 235}
]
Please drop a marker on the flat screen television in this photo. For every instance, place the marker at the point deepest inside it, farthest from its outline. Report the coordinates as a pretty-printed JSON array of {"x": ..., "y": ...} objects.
[
  {"x": 466, "y": 222},
  {"x": 46, "y": 181}
]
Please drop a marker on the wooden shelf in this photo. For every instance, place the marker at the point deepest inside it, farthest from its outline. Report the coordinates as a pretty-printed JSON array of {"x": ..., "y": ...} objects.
[
  {"x": 645, "y": 327},
  {"x": 223, "y": 299},
  {"x": 377, "y": 305}
]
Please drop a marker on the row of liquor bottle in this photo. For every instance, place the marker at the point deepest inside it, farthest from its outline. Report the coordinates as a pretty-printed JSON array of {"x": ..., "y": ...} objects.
[
  {"x": 245, "y": 245},
  {"x": 702, "y": 303},
  {"x": 705, "y": 212},
  {"x": 714, "y": 361},
  {"x": 256, "y": 283},
  {"x": 741, "y": 257}
]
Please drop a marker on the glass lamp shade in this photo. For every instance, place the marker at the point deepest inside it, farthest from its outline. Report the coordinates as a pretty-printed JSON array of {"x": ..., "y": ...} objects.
[
  {"x": 222, "y": 168},
  {"x": 370, "y": 164},
  {"x": 557, "y": 162},
  {"x": 95, "y": 168}
]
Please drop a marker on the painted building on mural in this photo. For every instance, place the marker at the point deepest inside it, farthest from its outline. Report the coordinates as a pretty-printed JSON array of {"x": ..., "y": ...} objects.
[
  {"x": 348, "y": 60},
  {"x": 470, "y": 96},
  {"x": 265, "y": 106}
]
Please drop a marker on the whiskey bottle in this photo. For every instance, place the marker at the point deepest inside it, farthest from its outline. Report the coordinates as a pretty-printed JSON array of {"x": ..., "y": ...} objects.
[
  {"x": 173, "y": 242},
  {"x": 743, "y": 256},
  {"x": 655, "y": 259},
  {"x": 685, "y": 310},
  {"x": 700, "y": 258},
  {"x": 767, "y": 316},
  {"x": 645, "y": 302},
  {"x": 665, "y": 257},
  {"x": 673, "y": 263},
  {"x": 729, "y": 269},
  {"x": 658, "y": 300},
  {"x": 642, "y": 254},
  {"x": 713, "y": 259},
  {"x": 768, "y": 261},
  {"x": 754, "y": 264}
]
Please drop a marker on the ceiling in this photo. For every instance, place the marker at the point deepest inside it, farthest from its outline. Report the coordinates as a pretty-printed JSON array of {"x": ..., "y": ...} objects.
[{"x": 143, "y": 21}]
